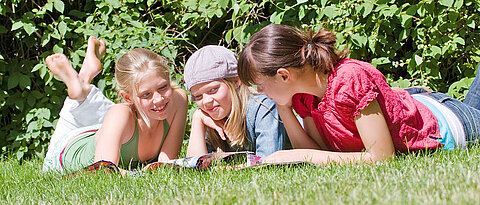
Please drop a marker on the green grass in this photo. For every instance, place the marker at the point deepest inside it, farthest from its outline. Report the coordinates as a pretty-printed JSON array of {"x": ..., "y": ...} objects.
[{"x": 441, "y": 177}]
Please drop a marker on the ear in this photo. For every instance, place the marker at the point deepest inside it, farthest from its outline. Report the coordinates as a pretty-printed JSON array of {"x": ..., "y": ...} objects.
[
  {"x": 126, "y": 97},
  {"x": 284, "y": 74}
]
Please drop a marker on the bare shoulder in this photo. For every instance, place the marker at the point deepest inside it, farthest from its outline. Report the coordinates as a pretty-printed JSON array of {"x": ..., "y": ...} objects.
[
  {"x": 180, "y": 103},
  {"x": 180, "y": 98},
  {"x": 124, "y": 107},
  {"x": 122, "y": 111}
]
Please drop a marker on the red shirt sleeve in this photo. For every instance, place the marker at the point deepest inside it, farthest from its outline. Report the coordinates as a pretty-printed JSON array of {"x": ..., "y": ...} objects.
[
  {"x": 354, "y": 88},
  {"x": 303, "y": 104}
]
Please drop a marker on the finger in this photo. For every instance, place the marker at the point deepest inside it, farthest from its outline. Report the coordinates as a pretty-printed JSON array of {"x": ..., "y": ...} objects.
[{"x": 221, "y": 134}]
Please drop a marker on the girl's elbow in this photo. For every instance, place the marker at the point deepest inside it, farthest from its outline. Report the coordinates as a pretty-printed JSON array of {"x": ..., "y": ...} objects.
[{"x": 382, "y": 156}]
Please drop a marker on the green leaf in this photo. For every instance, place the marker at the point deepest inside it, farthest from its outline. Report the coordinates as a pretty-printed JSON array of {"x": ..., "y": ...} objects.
[
  {"x": 459, "y": 40},
  {"x": 359, "y": 40},
  {"x": 24, "y": 81},
  {"x": 330, "y": 11},
  {"x": 13, "y": 81},
  {"x": 62, "y": 28},
  {"x": 136, "y": 24},
  {"x": 59, "y": 5},
  {"x": 150, "y": 2},
  {"x": 389, "y": 11},
  {"x": 37, "y": 67},
  {"x": 43, "y": 113},
  {"x": 404, "y": 34},
  {"x": 49, "y": 6},
  {"x": 219, "y": 13},
  {"x": 367, "y": 9},
  {"x": 301, "y": 12},
  {"x": 402, "y": 83},
  {"x": 77, "y": 13},
  {"x": 228, "y": 36},
  {"x": 89, "y": 19},
  {"x": 29, "y": 28},
  {"x": 447, "y": 3},
  {"x": 418, "y": 60},
  {"x": 323, "y": 2},
  {"x": 411, "y": 10},
  {"x": 406, "y": 20},
  {"x": 19, "y": 155},
  {"x": 436, "y": 50},
  {"x": 276, "y": 18},
  {"x": 380, "y": 61},
  {"x": 458, "y": 4},
  {"x": 223, "y": 3},
  {"x": 17, "y": 25},
  {"x": 29, "y": 116},
  {"x": 57, "y": 49},
  {"x": 45, "y": 39}
]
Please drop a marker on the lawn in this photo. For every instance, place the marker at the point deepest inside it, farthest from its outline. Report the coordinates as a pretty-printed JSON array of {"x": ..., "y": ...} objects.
[{"x": 441, "y": 177}]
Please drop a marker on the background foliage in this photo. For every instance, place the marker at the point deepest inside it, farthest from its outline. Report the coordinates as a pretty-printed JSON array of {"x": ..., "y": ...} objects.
[{"x": 427, "y": 42}]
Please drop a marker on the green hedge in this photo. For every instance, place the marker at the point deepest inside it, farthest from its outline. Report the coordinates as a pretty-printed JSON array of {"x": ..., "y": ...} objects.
[{"x": 429, "y": 42}]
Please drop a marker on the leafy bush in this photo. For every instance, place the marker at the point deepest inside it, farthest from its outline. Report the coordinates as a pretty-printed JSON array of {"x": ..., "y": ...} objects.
[{"x": 432, "y": 43}]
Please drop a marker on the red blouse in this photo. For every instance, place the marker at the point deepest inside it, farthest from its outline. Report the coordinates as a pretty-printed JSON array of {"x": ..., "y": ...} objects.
[{"x": 352, "y": 85}]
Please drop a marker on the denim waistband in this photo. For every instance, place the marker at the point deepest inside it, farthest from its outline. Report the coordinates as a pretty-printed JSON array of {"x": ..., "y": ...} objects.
[{"x": 469, "y": 116}]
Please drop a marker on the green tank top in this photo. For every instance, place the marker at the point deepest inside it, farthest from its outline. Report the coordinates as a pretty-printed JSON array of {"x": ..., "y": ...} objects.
[{"x": 80, "y": 152}]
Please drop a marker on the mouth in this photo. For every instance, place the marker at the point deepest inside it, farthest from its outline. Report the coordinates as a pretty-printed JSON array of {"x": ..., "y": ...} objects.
[
  {"x": 160, "y": 109},
  {"x": 213, "y": 109}
]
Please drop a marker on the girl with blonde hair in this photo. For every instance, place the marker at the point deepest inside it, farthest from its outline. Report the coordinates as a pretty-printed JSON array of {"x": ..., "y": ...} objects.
[
  {"x": 230, "y": 116},
  {"x": 149, "y": 126}
]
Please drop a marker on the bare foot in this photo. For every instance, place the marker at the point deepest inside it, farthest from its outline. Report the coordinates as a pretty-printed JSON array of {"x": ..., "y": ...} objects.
[
  {"x": 92, "y": 66},
  {"x": 61, "y": 67}
]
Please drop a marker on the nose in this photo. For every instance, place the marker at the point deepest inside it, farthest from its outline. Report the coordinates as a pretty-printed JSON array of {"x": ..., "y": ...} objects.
[
  {"x": 207, "y": 100},
  {"x": 157, "y": 97}
]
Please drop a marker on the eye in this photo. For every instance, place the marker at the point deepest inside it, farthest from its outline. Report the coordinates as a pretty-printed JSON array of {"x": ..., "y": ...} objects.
[
  {"x": 196, "y": 97},
  {"x": 164, "y": 87},
  {"x": 144, "y": 95},
  {"x": 213, "y": 90}
]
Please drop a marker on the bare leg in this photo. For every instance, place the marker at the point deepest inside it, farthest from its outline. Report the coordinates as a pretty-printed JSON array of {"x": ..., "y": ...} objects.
[
  {"x": 61, "y": 67},
  {"x": 92, "y": 66}
]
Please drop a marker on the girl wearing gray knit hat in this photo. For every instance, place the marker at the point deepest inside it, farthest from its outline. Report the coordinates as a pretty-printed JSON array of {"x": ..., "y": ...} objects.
[{"x": 231, "y": 117}]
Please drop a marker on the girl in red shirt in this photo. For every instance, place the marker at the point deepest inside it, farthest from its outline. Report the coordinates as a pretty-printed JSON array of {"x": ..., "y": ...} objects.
[{"x": 349, "y": 112}]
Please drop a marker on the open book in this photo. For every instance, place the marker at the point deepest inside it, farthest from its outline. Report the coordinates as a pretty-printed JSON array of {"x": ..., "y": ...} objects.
[
  {"x": 234, "y": 160},
  {"x": 239, "y": 159}
]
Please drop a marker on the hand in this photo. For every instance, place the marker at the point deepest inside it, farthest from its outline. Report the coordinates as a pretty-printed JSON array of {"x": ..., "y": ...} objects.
[
  {"x": 209, "y": 122},
  {"x": 284, "y": 156}
]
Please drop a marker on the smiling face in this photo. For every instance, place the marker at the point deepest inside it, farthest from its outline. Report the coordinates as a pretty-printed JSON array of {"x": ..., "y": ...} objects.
[
  {"x": 154, "y": 95},
  {"x": 214, "y": 98}
]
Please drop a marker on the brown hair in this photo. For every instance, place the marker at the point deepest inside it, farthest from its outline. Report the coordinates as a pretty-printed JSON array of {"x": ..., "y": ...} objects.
[{"x": 278, "y": 46}]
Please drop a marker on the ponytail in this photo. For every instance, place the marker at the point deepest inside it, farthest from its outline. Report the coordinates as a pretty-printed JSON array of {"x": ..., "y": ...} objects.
[
  {"x": 279, "y": 46},
  {"x": 320, "y": 51}
]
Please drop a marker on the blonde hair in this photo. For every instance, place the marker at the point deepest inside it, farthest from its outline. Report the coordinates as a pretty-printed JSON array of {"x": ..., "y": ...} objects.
[
  {"x": 236, "y": 121},
  {"x": 132, "y": 66}
]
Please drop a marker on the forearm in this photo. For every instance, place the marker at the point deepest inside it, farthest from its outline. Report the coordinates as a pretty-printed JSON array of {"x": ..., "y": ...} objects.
[
  {"x": 298, "y": 137},
  {"x": 196, "y": 143},
  {"x": 321, "y": 157}
]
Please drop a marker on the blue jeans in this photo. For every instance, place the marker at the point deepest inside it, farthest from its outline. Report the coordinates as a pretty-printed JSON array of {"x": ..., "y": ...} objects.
[{"x": 467, "y": 111}]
